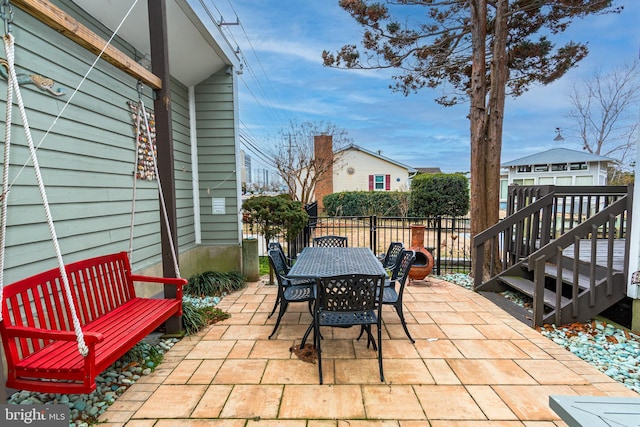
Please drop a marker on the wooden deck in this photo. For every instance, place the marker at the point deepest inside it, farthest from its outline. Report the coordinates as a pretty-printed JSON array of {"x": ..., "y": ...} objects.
[{"x": 601, "y": 253}]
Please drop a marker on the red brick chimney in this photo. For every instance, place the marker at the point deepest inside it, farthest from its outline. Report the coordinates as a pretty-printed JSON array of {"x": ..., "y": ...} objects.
[{"x": 323, "y": 145}]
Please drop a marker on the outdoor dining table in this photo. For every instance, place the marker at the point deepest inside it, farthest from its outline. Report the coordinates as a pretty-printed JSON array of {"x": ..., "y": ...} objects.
[{"x": 314, "y": 262}]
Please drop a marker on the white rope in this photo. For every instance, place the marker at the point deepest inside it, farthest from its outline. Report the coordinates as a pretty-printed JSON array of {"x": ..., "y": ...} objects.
[
  {"x": 5, "y": 183},
  {"x": 160, "y": 193},
  {"x": 9, "y": 48}
]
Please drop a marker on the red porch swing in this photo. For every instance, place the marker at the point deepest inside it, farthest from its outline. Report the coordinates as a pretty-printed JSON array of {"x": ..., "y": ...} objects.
[{"x": 62, "y": 327}]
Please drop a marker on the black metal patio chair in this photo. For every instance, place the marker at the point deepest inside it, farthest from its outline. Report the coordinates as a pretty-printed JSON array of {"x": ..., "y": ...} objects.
[
  {"x": 289, "y": 290},
  {"x": 349, "y": 300},
  {"x": 330, "y": 242},
  {"x": 392, "y": 295},
  {"x": 277, "y": 246},
  {"x": 392, "y": 255}
]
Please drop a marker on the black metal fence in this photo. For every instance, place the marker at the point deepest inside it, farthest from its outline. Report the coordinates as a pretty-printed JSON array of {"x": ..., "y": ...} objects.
[{"x": 448, "y": 239}]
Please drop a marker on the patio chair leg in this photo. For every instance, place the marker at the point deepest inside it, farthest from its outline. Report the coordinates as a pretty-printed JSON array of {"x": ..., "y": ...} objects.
[
  {"x": 404, "y": 324},
  {"x": 380, "y": 352},
  {"x": 316, "y": 337},
  {"x": 283, "y": 308},
  {"x": 274, "y": 307}
]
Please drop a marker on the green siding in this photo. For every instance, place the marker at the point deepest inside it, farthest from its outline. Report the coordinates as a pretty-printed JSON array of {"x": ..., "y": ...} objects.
[
  {"x": 182, "y": 161},
  {"x": 87, "y": 159},
  {"x": 217, "y": 159}
]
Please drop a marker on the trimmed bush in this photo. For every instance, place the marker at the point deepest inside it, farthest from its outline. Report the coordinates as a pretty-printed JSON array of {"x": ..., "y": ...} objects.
[
  {"x": 439, "y": 195},
  {"x": 364, "y": 203}
]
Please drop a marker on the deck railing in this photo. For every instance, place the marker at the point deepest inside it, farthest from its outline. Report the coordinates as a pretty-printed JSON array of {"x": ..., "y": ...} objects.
[
  {"x": 538, "y": 214},
  {"x": 543, "y": 221}
]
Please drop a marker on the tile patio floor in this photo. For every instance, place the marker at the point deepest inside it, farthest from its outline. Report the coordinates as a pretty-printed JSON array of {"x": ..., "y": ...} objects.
[{"x": 472, "y": 365}]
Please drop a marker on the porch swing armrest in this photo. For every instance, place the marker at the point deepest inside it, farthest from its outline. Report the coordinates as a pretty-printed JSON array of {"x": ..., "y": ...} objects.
[
  {"x": 176, "y": 281},
  {"x": 49, "y": 334}
]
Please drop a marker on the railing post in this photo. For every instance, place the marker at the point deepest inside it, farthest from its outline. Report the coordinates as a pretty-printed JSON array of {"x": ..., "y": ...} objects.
[
  {"x": 477, "y": 264},
  {"x": 538, "y": 291},
  {"x": 439, "y": 242}
]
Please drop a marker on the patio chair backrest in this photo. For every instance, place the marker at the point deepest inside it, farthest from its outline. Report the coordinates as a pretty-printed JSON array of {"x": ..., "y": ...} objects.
[
  {"x": 279, "y": 266},
  {"x": 349, "y": 293},
  {"x": 330, "y": 241},
  {"x": 406, "y": 260},
  {"x": 393, "y": 254},
  {"x": 278, "y": 247}
]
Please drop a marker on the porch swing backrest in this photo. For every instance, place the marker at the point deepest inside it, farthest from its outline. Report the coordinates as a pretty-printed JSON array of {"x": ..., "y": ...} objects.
[{"x": 37, "y": 330}]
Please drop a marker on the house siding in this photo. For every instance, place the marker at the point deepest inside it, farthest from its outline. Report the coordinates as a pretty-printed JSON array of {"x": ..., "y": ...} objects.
[
  {"x": 365, "y": 165},
  {"x": 217, "y": 159},
  {"x": 87, "y": 160},
  {"x": 182, "y": 165}
]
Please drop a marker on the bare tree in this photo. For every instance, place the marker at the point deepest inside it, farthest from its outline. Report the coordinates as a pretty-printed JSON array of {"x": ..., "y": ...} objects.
[
  {"x": 605, "y": 113},
  {"x": 295, "y": 159}
]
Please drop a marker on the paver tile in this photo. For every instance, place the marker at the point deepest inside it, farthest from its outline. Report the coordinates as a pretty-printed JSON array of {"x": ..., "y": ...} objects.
[
  {"x": 171, "y": 401},
  {"x": 448, "y": 402},
  {"x": 240, "y": 371},
  {"x": 489, "y": 372},
  {"x": 252, "y": 401},
  {"x": 323, "y": 402},
  {"x": 489, "y": 349},
  {"x": 396, "y": 402}
]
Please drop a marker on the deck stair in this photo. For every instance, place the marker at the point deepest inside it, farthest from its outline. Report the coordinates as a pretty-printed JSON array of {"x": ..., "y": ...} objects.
[{"x": 571, "y": 272}]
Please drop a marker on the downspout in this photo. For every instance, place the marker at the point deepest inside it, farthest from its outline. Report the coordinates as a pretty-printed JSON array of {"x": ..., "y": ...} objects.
[
  {"x": 195, "y": 180},
  {"x": 633, "y": 290}
]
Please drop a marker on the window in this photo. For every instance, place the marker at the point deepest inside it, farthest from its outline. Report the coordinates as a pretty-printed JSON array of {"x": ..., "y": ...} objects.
[
  {"x": 541, "y": 168},
  {"x": 559, "y": 167},
  {"x": 582, "y": 166},
  {"x": 528, "y": 181},
  {"x": 379, "y": 182},
  {"x": 564, "y": 180},
  {"x": 547, "y": 180},
  {"x": 584, "y": 180},
  {"x": 522, "y": 169}
]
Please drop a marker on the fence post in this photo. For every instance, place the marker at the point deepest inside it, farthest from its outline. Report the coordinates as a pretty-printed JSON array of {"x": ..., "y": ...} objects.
[
  {"x": 373, "y": 233},
  {"x": 438, "y": 244}
]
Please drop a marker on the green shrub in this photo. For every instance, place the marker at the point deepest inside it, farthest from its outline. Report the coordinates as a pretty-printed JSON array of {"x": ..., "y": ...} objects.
[
  {"x": 274, "y": 216},
  {"x": 213, "y": 283},
  {"x": 364, "y": 203},
  {"x": 195, "y": 318},
  {"x": 192, "y": 318},
  {"x": 439, "y": 195}
]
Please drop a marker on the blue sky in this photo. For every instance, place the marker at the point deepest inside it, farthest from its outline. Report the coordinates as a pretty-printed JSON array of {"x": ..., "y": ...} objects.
[{"x": 284, "y": 79}]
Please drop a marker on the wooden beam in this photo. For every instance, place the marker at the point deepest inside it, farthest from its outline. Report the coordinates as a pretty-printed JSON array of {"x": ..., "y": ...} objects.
[{"x": 57, "y": 19}]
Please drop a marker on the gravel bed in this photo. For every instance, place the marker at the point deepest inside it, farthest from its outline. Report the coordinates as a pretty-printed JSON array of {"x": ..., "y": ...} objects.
[
  {"x": 612, "y": 350},
  {"x": 86, "y": 408}
]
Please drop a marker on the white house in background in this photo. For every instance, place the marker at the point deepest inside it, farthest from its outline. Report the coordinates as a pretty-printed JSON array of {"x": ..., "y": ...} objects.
[
  {"x": 558, "y": 166},
  {"x": 358, "y": 169},
  {"x": 355, "y": 169}
]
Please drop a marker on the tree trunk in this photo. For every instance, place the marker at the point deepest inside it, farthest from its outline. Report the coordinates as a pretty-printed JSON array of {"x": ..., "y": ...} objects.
[
  {"x": 486, "y": 117},
  {"x": 477, "y": 117}
]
